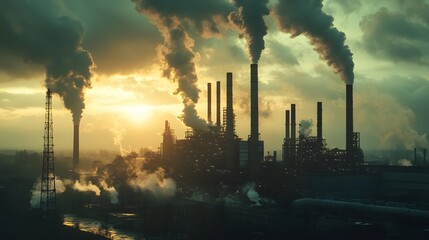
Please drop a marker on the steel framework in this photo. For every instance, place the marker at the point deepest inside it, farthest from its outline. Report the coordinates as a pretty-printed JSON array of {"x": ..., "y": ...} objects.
[{"x": 48, "y": 192}]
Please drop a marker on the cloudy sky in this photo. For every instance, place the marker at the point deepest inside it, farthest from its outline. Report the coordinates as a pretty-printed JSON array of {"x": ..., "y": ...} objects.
[{"x": 123, "y": 67}]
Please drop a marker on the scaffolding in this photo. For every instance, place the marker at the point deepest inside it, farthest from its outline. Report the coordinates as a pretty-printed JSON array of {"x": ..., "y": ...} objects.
[{"x": 48, "y": 193}]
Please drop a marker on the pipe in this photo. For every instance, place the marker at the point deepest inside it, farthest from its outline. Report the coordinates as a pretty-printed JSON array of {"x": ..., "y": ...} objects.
[
  {"x": 76, "y": 147},
  {"x": 209, "y": 103},
  {"x": 218, "y": 104},
  {"x": 254, "y": 118}
]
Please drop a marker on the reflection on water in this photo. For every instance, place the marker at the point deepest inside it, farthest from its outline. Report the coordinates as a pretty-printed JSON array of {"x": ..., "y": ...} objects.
[{"x": 99, "y": 227}]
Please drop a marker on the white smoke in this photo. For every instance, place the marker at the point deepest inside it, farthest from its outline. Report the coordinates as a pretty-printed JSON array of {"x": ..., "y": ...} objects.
[
  {"x": 60, "y": 187},
  {"x": 254, "y": 197},
  {"x": 155, "y": 182},
  {"x": 405, "y": 162},
  {"x": 118, "y": 135},
  {"x": 113, "y": 194},
  {"x": 252, "y": 194},
  {"x": 83, "y": 186}
]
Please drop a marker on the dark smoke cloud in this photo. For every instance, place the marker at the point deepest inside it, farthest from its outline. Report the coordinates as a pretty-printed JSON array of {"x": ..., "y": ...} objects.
[
  {"x": 397, "y": 37},
  {"x": 306, "y": 17},
  {"x": 39, "y": 33},
  {"x": 249, "y": 20},
  {"x": 172, "y": 18}
]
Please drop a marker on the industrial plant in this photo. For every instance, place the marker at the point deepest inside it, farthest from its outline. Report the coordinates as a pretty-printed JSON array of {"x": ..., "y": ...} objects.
[{"x": 213, "y": 184}]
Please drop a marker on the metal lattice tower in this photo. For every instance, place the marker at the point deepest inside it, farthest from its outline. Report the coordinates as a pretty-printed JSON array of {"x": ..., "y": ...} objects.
[{"x": 48, "y": 195}]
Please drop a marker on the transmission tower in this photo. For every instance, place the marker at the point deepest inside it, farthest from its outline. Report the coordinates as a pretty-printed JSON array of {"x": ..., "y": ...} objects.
[{"x": 47, "y": 196}]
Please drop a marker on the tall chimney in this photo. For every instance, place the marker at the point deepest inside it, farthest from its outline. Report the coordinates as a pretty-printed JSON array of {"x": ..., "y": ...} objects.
[
  {"x": 230, "y": 128},
  {"x": 76, "y": 147},
  {"x": 293, "y": 123},
  {"x": 349, "y": 123},
  {"x": 229, "y": 105},
  {"x": 254, "y": 118},
  {"x": 209, "y": 103},
  {"x": 287, "y": 134},
  {"x": 319, "y": 122},
  {"x": 218, "y": 104}
]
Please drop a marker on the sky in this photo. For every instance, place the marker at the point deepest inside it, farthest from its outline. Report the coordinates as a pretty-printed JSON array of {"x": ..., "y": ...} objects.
[{"x": 121, "y": 68}]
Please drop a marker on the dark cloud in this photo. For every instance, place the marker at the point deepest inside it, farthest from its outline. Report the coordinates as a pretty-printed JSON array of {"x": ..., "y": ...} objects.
[
  {"x": 416, "y": 8},
  {"x": 120, "y": 39},
  {"x": 413, "y": 93},
  {"x": 206, "y": 16},
  {"x": 173, "y": 19},
  {"x": 348, "y": 6},
  {"x": 281, "y": 54},
  {"x": 394, "y": 36},
  {"x": 249, "y": 20},
  {"x": 306, "y": 17},
  {"x": 40, "y": 33}
]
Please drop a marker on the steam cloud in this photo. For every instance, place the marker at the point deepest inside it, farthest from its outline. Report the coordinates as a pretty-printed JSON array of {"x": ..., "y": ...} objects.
[
  {"x": 177, "y": 55},
  {"x": 60, "y": 187},
  {"x": 249, "y": 20},
  {"x": 306, "y": 17},
  {"x": 40, "y": 34},
  {"x": 305, "y": 127}
]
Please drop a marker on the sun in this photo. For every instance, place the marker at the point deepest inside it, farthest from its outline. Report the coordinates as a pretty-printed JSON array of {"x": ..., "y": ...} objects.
[{"x": 137, "y": 114}]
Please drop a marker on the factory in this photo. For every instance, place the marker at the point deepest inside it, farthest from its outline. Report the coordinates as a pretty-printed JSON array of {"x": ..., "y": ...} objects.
[{"x": 219, "y": 149}]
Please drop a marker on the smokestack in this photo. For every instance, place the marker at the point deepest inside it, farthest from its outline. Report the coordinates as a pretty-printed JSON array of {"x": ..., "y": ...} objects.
[
  {"x": 415, "y": 156},
  {"x": 349, "y": 121},
  {"x": 254, "y": 118},
  {"x": 76, "y": 147},
  {"x": 209, "y": 103},
  {"x": 293, "y": 123},
  {"x": 229, "y": 105},
  {"x": 218, "y": 104},
  {"x": 229, "y": 124},
  {"x": 287, "y": 134},
  {"x": 319, "y": 122}
]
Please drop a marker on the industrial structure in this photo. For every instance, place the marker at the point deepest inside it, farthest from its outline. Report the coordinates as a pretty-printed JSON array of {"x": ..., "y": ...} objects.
[{"x": 47, "y": 190}]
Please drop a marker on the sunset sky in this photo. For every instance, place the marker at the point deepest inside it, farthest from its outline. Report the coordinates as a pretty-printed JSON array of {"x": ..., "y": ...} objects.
[{"x": 130, "y": 97}]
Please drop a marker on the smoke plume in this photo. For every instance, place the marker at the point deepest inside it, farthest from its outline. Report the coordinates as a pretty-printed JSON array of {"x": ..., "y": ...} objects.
[
  {"x": 42, "y": 35},
  {"x": 83, "y": 186},
  {"x": 305, "y": 127},
  {"x": 60, "y": 187},
  {"x": 177, "y": 55},
  {"x": 130, "y": 171},
  {"x": 249, "y": 20},
  {"x": 252, "y": 194},
  {"x": 306, "y": 17}
]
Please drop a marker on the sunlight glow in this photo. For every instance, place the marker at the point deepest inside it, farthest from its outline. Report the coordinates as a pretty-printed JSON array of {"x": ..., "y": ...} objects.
[{"x": 137, "y": 114}]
